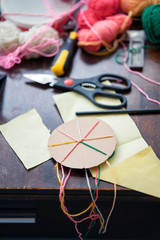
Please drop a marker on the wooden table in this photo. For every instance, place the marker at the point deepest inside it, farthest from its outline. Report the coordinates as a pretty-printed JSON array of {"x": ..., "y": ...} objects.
[{"x": 32, "y": 196}]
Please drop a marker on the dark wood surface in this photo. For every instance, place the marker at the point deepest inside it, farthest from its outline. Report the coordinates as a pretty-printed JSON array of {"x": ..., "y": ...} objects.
[
  {"x": 36, "y": 191},
  {"x": 20, "y": 96}
]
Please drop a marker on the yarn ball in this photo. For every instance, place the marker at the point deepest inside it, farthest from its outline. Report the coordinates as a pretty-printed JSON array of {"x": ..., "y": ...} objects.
[
  {"x": 9, "y": 37},
  {"x": 104, "y": 8},
  {"x": 123, "y": 21},
  {"x": 151, "y": 23},
  {"x": 136, "y": 6},
  {"x": 107, "y": 31},
  {"x": 86, "y": 14},
  {"x": 45, "y": 33}
]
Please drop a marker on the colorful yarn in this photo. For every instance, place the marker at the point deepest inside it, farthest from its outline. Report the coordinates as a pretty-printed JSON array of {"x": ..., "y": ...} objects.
[
  {"x": 86, "y": 139},
  {"x": 94, "y": 210},
  {"x": 114, "y": 198},
  {"x": 78, "y": 141},
  {"x": 100, "y": 25},
  {"x": 64, "y": 208},
  {"x": 151, "y": 23},
  {"x": 136, "y": 6},
  {"x": 93, "y": 198}
]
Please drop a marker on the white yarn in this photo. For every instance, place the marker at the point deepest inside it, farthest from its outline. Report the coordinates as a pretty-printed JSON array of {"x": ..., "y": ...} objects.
[
  {"x": 9, "y": 37},
  {"x": 48, "y": 32},
  {"x": 12, "y": 37}
]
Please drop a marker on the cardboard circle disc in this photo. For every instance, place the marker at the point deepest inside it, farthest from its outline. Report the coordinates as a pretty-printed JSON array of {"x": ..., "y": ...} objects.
[{"x": 96, "y": 148}]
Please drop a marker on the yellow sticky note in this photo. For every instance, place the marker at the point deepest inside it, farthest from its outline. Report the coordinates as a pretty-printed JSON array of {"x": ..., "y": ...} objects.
[
  {"x": 139, "y": 172},
  {"x": 28, "y": 137}
]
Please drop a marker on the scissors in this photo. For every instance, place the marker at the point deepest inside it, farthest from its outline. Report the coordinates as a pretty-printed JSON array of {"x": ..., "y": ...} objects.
[{"x": 89, "y": 87}]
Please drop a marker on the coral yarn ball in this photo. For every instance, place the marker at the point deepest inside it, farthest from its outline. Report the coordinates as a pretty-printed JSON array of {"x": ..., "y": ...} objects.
[
  {"x": 88, "y": 15},
  {"x": 104, "y": 8},
  {"x": 123, "y": 21},
  {"x": 107, "y": 31}
]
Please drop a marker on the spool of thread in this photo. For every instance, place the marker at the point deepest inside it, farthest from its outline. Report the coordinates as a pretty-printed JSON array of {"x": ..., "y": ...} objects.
[
  {"x": 151, "y": 23},
  {"x": 135, "y": 6}
]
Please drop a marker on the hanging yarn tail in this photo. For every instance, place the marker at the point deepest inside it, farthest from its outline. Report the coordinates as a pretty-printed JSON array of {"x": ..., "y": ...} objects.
[
  {"x": 114, "y": 198},
  {"x": 92, "y": 216}
]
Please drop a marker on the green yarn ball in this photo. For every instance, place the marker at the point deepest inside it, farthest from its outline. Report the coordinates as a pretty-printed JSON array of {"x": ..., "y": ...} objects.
[{"x": 151, "y": 23}]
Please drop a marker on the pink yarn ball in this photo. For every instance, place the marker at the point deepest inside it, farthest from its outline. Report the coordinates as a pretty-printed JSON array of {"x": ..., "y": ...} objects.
[
  {"x": 101, "y": 24},
  {"x": 120, "y": 19},
  {"x": 104, "y": 8},
  {"x": 89, "y": 15},
  {"x": 106, "y": 29}
]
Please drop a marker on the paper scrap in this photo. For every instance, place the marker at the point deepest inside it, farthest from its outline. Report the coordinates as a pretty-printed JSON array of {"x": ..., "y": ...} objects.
[
  {"x": 139, "y": 172},
  {"x": 28, "y": 137}
]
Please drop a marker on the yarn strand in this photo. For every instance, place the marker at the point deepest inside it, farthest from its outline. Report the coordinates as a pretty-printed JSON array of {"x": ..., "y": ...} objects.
[{"x": 140, "y": 75}]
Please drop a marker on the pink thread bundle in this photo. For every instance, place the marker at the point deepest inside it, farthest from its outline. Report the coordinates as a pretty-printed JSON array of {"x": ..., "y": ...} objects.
[{"x": 101, "y": 24}]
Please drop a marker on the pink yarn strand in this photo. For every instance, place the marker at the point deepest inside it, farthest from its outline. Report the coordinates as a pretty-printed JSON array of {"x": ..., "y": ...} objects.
[
  {"x": 141, "y": 75},
  {"x": 145, "y": 94},
  {"x": 26, "y": 14},
  {"x": 90, "y": 26},
  {"x": 46, "y": 3}
]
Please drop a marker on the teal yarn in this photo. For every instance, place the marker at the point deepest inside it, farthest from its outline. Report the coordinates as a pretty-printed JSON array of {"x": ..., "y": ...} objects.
[{"x": 151, "y": 23}]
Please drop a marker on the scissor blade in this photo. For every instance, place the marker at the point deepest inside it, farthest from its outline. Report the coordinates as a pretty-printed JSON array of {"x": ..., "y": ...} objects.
[{"x": 41, "y": 78}]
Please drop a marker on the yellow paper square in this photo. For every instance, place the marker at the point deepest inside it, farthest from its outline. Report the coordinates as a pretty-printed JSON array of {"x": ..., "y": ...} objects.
[{"x": 28, "y": 137}]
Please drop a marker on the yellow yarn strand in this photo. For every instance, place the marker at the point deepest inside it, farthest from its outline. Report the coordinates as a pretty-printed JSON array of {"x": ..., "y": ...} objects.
[
  {"x": 63, "y": 196},
  {"x": 86, "y": 139}
]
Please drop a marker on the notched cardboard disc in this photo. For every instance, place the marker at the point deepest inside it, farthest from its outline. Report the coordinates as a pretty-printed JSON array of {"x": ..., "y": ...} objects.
[{"x": 101, "y": 143}]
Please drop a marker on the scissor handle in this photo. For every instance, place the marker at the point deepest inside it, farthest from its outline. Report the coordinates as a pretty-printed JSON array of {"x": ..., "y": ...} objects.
[
  {"x": 91, "y": 95},
  {"x": 69, "y": 84},
  {"x": 113, "y": 77}
]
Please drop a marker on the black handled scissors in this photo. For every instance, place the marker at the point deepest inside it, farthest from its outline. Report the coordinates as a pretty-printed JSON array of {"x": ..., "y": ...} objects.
[{"x": 89, "y": 87}]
